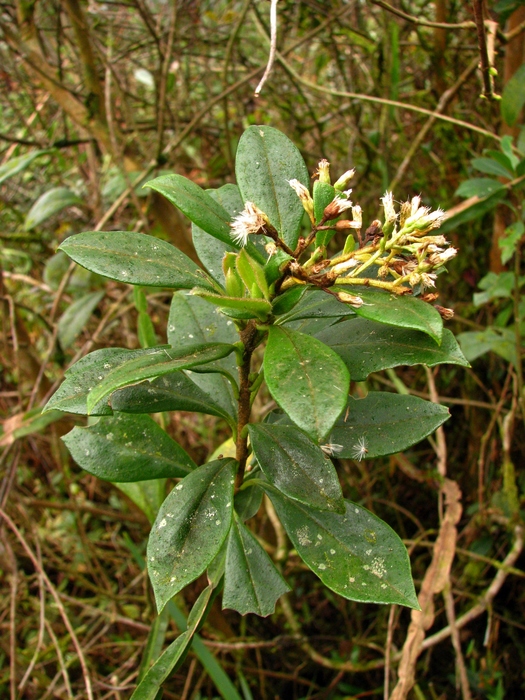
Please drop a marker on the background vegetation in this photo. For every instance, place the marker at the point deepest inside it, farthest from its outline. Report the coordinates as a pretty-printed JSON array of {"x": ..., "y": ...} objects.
[{"x": 97, "y": 96}]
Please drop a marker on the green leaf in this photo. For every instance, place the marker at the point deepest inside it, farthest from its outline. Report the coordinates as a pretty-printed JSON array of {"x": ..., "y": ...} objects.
[
  {"x": 509, "y": 242},
  {"x": 196, "y": 204},
  {"x": 495, "y": 286},
  {"x": 71, "y": 396},
  {"x": 252, "y": 584},
  {"x": 211, "y": 250},
  {"x": 75, "y": 317},
  {"x": 175, "y": 654},
  {"x": 49, "y": 204},
  {"x": 16, "y": 165},
  {"x": 401, "y": 311},
  {"x": 285, "y": 302},
  {"x": 324, "y": 193},
  {"x": 252, "y": 273},
  {"x": 173, "y": 392},
  {"x": 250, "y": 308},
  {"x": 479, "y": 187},
  {"x": 502, "y": 341},
  {"x": 146, "y": 495},
  {"x": 128, "y": 448},
  {"x": 366, "y": 347},
  {"x": 190, "y": 528},
  {"x": 247, "y": 501},
  {"x": 155, "y": 363},
  {"x": 273, "y": 269},
  {"x": 513, "y": 97},
  {"x": 357, "y": 555},
  {"x": 296, "y": 466},
  {"x": 384, "y": 424},
  {"x": 134, "y": 258},
  {"x": 492, "y": 167},
  {"x": 193, "y": 320},
  {"x": 306, "y": 378},
  {"x": 474, "y": 211},
  {"x": 266, "y": 160},
  {"x": 315, "y": 303}
]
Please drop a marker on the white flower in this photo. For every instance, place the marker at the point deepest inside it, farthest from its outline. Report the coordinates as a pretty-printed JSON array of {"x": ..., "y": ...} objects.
[
  {"x": 388, "y": 205},
  {"x": 345, "y": 178},
  {"x": 306, "y": 200},
  {"x": 441, "y": 258},
  {"x": 250, "y": 220}
]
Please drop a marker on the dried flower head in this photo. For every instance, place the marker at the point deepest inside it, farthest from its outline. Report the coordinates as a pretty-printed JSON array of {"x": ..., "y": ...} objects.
[
  {"x": 338, "y": 205},
  {"x": 359, "y": 450},
  {"x": 350, "y": 299},
  {"x": 250, "y": 220}
]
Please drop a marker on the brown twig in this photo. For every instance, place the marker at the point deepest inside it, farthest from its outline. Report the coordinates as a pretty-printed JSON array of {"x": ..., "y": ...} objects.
[
  {"x": 486, "y": 72},
  {"x": 56, "y": 598}
]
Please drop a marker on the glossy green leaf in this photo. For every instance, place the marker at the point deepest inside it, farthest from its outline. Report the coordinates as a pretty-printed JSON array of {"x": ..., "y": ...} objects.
[
  {"x": 248, "y": 500},
  {"x": 190, "y": 528},
  {"x": 384, "y": 424},
  {"x": 16, "y": 165},
  {"x": 400, "y": 311},
  {"x": 252, "y": 584},
  {"x": 173, "y": 392},
  {"x": 366, "y": 347},
  {"x": 296, "y": 466},
  {"x": 492, "y": 167},
  {"x": 211, "y": 250},
  {"x": 357, "y": 555},
  {"x": 127, "y": 448},
  {"x": 175, "y": 654},
  {"x": 315, "y": 303},
  {"x": 134, "y": 258},
  {"x": 194, "y": 320},
  {"x": 80, "y": 378},
  {"x": 49, "y": 204},
  {"x": 266, "y": 160},
  {"x": 479, "y": 187},
  {"x": 196, "y": 204},
  {"x": 146, "y": 495},
  {"x": 285, "y": 302},
  {"x": 250, "y": 308},
  {"x": 75, "y": 317},
  {"x": 324, "y": 193},
  {"x": 311, "y": 326},
  {"x": 306, "y": 378},
  {"x": 156, "y": 362},
  {"x": 513, "y": 97}
]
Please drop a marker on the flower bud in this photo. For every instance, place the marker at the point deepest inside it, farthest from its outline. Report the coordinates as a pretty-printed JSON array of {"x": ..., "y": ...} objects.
[
  {"x": 323, "y": 171},
  {"x": 343, "y": 181},
  {"x": 304, "y": 195}
]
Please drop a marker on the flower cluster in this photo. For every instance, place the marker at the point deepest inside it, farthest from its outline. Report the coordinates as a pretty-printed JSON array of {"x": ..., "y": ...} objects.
[{"x": 405, "y": 250}]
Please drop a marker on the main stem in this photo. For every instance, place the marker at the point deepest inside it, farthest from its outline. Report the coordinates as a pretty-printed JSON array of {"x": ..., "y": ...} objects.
[{"x": 249, "y": 337}]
